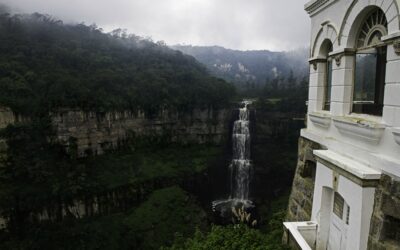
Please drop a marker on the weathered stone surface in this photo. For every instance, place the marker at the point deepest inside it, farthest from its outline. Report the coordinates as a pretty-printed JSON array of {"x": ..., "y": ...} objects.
[
  {"x": 6, "y": 117},
  {"x": 96, "y": 132},
  {"x": 390, "y": 205},
  {"x": 385, "y": 223},
  {"x": 300, "y": 201}
]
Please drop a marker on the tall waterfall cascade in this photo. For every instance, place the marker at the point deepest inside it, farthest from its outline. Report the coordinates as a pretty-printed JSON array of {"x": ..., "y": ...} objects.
[{"x": 240, "y": 166}]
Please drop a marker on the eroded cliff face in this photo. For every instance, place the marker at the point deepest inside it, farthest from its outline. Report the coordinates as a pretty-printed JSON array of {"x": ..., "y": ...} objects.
[
  {"x": 6, "y": 117},
  {"x": 94, "y": 133},
  {"x": 275, "y": 135}
]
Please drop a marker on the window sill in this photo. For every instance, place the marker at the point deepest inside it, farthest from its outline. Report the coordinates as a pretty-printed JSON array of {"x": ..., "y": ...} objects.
[
  {"x": 360, "y": 127},
  {"x": 321, "y": 119}
]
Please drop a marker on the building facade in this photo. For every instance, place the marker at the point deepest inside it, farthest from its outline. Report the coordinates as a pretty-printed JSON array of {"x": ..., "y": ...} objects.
[{"x": 346, "y": 190}]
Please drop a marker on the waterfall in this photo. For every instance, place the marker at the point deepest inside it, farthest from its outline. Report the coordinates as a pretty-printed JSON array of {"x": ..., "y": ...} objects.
[{"x": 240, "y": 166}]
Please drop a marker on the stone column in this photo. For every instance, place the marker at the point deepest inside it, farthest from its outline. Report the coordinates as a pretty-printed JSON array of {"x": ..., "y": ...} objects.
[
  {"x": 391, "y": 110},
  {"x": 342, "y": 82},
  {"x": 317, "y": 83}
]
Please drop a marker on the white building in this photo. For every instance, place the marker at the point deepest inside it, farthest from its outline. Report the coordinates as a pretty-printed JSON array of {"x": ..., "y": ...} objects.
[{"x": 349, "y": 154}]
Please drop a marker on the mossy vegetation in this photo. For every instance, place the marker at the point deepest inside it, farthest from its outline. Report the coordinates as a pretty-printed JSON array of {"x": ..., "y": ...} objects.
[
  {"x": 241, "y": 235},
  {"x": 135, "y": 165},
  {"x": 39, "y": 175},
  {"x": 166, "y": 213}
]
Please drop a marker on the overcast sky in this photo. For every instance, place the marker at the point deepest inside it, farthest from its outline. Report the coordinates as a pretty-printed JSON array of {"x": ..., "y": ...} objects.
[{"x": 235, "y": 24}]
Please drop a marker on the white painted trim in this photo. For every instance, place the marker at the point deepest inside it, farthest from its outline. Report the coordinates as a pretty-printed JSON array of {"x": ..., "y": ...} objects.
[
  {"x": 365, "y": 130},
  {"x": 396, "y": 134},
  {"x": 320, "y": 119},
  {"x": 349, "y": 165},
  {"x": 295, "y": 227}
]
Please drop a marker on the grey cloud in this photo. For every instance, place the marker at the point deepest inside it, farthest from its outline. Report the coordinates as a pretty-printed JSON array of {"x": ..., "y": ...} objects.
[{"x": 236, "y": 24}]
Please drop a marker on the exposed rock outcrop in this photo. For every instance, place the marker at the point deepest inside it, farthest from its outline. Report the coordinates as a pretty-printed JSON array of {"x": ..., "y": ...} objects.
[{"x": 94, "y": 133}]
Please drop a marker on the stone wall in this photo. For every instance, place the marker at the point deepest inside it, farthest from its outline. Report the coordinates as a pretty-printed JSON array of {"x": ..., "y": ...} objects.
[
  {"x": 96, "y": 132},
  {"x": 301, "y": 197},
  {"x": 385, "y": 221}
]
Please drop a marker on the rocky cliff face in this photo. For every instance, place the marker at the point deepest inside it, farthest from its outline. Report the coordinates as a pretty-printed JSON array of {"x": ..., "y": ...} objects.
[
  {"x": 273, "y": 151},
  {"x": 94, "y": 133},
  {"x": 6, "y": 117}
]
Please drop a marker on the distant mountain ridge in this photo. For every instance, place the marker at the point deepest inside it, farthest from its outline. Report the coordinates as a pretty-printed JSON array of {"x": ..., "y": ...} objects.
[{"x": 253, "y": 66}]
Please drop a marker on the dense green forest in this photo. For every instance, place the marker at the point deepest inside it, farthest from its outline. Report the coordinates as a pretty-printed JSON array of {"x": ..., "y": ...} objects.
[{"x": 46, "y": 64}]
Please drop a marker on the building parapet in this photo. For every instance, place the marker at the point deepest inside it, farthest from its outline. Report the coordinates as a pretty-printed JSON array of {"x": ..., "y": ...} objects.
[
  {"x": 351, "y": 169},
  {"x": 301, "y": 235}
]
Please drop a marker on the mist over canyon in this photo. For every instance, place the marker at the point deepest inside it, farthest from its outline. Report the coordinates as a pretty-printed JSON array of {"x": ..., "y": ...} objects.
[{"x": 113, "y": 141}]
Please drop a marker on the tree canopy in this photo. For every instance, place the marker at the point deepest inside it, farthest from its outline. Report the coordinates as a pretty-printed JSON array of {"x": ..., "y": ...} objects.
[{"x": 47, "y": 65}]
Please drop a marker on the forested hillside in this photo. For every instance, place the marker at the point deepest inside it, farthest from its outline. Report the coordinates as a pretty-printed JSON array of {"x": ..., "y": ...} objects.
[
  {"x": 52, "y": 199},
  {"x": 45, "y": 64},
  {"x": 250, "y": 69}
]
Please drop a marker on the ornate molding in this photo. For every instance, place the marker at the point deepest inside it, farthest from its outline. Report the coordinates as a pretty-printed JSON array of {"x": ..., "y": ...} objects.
[
  {"x": 314, "y": 6},
  {"x": 315, "y": 65},
  {"x": 337, "y": 55},
  {"x": 361, "y": 129},
  {"x": 338, "y": 59},
  {"x": 314, "y": 62},
  {"x": 319, "y": 119},
  {"x": 396, "y": 46}
]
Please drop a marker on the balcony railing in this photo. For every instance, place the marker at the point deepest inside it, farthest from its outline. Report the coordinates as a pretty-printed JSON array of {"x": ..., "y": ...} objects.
[{"x": 301, "y": 235}]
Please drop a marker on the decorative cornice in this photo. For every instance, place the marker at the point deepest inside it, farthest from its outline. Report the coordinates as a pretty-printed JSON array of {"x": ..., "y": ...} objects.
[
  {"x": 396, "y": 46},
  {"x": 315, "y": 6},
  {"x": 338, "y": 54},
  {"x": 391, "y": 37},
  {"x": 343, "y": 52},
  {"x": 315, "y": 60}
]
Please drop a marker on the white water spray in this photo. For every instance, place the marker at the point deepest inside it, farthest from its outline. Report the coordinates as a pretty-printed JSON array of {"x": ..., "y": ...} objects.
[{"x": 240, "y": 167}]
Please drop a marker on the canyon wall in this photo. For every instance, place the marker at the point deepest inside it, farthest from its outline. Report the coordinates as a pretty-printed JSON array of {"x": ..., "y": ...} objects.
[
  {"x": 94, "y": 133},
  {"x": 91, "y": 133},
  {"x": 274, "y": 136},
  {"x": 6, "y": 117}
]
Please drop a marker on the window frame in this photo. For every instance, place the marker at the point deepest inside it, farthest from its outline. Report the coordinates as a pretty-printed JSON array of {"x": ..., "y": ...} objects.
[
  {"x": 375, "y": 109},
  {"x": 326, "y": 105}
]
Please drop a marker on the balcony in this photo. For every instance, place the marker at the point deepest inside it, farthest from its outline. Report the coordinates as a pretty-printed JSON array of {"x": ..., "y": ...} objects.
[{"x": 300, "y": 235}]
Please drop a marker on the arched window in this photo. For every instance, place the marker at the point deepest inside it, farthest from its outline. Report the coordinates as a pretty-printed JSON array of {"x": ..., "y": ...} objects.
[
  {"x": 325, "y": 50},
  {"x": 370, "y": 67}
]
